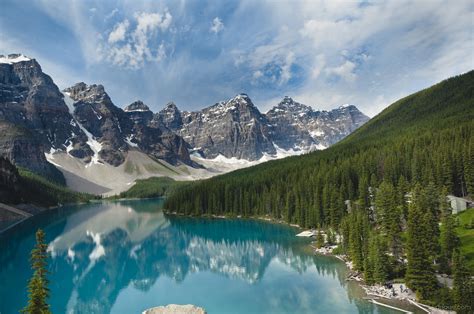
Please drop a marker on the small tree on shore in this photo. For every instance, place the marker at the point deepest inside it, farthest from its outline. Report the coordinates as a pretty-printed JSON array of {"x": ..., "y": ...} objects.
[
  {"x": 319, "y": 239},
  {"x": 38, "y": 291}
]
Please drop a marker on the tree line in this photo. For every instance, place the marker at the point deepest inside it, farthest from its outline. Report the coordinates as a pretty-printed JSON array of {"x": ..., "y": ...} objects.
[{"x": 395, "y": 171}]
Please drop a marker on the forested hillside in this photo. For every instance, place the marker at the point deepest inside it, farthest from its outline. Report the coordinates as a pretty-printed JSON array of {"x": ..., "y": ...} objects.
[
  {"x": 396, "y": 171},
  {"x": 426, "y": 137},
  {"x": 23, "y": 186}
]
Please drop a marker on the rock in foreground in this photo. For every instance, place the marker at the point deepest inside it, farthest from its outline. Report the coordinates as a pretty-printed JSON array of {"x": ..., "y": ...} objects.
[{"x": 176, "y": 309}]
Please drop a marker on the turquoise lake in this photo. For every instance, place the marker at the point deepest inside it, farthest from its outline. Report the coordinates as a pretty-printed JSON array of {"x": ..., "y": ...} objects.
[{"x": 124, "y": 257}]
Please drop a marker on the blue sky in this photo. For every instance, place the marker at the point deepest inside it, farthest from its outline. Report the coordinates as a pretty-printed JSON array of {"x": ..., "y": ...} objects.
[{"x": 195, "y": 53}]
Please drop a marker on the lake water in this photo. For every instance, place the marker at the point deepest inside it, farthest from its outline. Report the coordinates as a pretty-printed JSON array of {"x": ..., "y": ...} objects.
[{"x": 124, "y": 257}]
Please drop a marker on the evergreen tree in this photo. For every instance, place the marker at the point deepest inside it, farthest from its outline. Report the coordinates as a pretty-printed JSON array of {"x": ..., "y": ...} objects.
[
  {"x": 389, "y": 216},
  {"x": 359, "y": 228},
  {"x": 469, "y": 167},
  {"x": 380, "y": 263},
  {"x": 369, "y": 262},
  {"x": 448, "y": 242},
  {"x": 431, "y": 207},
  {"x": 38, "y": 285},
  {"x": 330, "y": 237},
  {"x": 402, "y": 189},
  {"x": 420, "y": 275},
  {"x": 319, "y": 239},
  {"x": 463, "y": 285}
]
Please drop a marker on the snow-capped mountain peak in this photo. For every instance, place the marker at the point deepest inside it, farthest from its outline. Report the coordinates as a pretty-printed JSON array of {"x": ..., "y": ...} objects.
[
  {"x": 137, "y": 106},
  {"x": 13, "y": 58}
]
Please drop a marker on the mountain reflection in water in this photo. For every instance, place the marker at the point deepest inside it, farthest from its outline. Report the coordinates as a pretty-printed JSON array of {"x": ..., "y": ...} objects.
[{"x": 123, "y": 257}]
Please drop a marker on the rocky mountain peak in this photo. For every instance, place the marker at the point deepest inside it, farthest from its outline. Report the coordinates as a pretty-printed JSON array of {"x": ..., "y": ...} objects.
[
  {"x": 139, "y": 113},
  {"x": 37, "y": 121},
  {"x": 288, "y": 106},
  {"x": 137, "y": 106},
  {"x": 170, "y": 117},
  {"x": 171, "y": 106},
  {"x": 14, "y": 58},
  {"x": 348, "y": 107},
  {"x": 240, "y": 99},
  {"x": 89, "y": 93}
]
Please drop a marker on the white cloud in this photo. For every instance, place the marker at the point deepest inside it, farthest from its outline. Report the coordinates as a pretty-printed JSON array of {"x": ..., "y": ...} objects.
[
  {"x": 318, "y": 66},
  {"x": 344, "y": 71},
  {"x": 388, "y": 48},
  {"x": 111, "y": 14},
  {"x": 149, "y": 22},
  {"x": 131, "y": 47},
  {"x": 285, "y": 75},
  {"x": 217, "y": 25},
  {"x": 257, "y": 74},
  {"x": 119, "y": 32}
]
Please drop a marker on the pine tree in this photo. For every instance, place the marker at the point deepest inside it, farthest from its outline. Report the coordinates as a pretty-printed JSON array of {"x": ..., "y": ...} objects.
[
  {"x": 444, "y": 208},
  {"x": 38, "y": 285},
  {"x": 448, "y": 241},
  {"x": 469, "y": 167},
  {"x": 389, "y": 216},
  {"x": 420, "y": 274},
  {"x": 463, "y": 285},
  {"x": 359, "y": 229},
  {"x": 402, "y": 189},
  {"x": 319, "y": 239},
  {"x": 380, "y": 263},
  {"x": 432, "y": 214},
  {"x": 330, "y": 237},
  {"x": 369, "y": 262}
]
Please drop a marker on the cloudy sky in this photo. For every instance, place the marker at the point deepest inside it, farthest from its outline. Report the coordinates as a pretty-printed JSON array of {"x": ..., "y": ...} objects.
[{"x": 195, "y": 53}]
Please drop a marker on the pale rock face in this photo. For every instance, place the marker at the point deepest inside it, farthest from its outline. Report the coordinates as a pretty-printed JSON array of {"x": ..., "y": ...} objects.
[
  {"x": 234, "y": 128},
  {"x": 37, "y": 120},
  {"x": 299, "y": 127},
  {"x": 118, "y": 130},
  {"x": 237, "y": 129},
  {"x": 33, "y": 116},
  {"x": 94, "y": 110}
]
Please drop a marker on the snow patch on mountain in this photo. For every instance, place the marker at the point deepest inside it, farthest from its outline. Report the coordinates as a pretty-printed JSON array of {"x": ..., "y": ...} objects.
[
  {"x": 91, "y": 141},
  {"x": 129, "y": 139},
  {"x": 13, "y": 58}
]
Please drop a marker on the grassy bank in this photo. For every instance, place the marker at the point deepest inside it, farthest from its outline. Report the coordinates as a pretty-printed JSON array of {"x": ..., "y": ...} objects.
[
  {"x": 40, "y": 191},
  {"x": 151, "y": 187},
  {"x": 465, "y": 231}
]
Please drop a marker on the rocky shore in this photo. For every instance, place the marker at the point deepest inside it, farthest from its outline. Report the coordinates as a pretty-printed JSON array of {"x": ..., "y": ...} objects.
[{"x": 395, "y": 291}]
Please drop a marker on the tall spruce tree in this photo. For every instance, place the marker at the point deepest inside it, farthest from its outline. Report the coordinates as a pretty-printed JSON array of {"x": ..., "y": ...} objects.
[
  {"x": 389, "y": 216},
  {"x": 319, "y": 239},
  {"x": 463, "y": 285},
  {"x": 448, "y": 242},
  {"x": 420, "y": 275},
  {"x": 369, "y": 261},
  {"x": 380, "y": 263},
  {"x": 38, "y": 286},
  {"x": 359, "y": 229}
]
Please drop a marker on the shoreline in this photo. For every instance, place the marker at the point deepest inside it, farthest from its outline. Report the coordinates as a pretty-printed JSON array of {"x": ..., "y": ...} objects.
[
  {"x": 43, "y": 210},
  {"x": 371, "y": 291},
  {"x": 402, "y": 292}
]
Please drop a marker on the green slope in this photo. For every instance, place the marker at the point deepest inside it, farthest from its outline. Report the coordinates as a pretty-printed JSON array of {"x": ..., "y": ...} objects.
[
  {"x": 465, "y": 231},
  {"x": 151, "y": 187},
  {"x": 424, "y": 137},
  {"x": 37, "y": 190}
]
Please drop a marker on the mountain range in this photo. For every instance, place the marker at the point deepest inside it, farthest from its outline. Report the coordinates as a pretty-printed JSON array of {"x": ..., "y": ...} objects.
[{"x": 80, "y": 137}]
